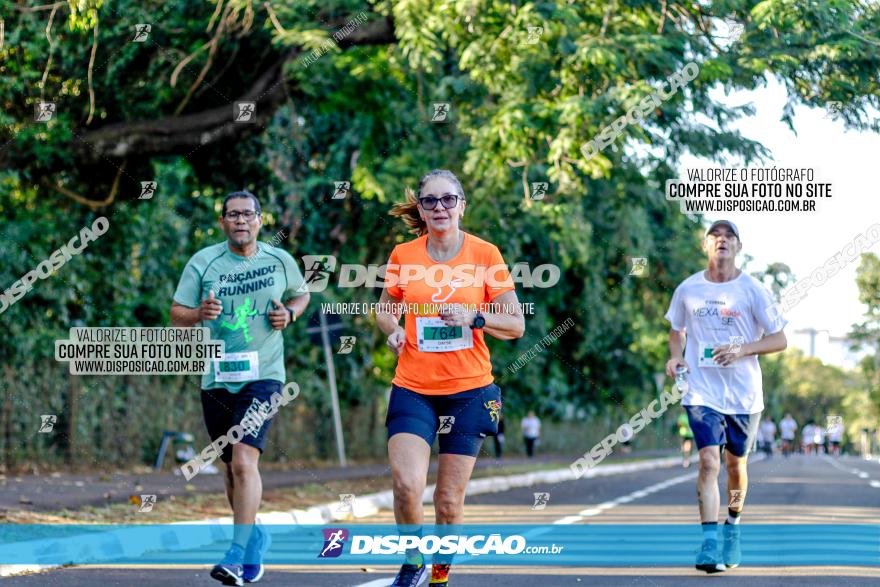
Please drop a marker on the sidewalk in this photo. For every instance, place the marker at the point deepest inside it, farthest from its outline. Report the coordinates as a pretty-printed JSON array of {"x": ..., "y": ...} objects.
[{"x": 61, "y": 491}]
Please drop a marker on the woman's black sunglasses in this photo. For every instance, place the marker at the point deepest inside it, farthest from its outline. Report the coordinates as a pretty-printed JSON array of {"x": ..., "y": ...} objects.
[{"x": 448, "y": 201}]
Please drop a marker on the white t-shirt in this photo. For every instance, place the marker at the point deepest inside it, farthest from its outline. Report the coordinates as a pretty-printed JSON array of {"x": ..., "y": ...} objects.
[
  {"x": 768, "y": 431},
  {"x": 787, "y": 428},
  {"x": 711, "y": 314},
  {"x": 531, "y": 427},
  {"x": 807, "y": 434},
  {"x": 835, "y": 432},
  {"x": 818, "y": 435}
]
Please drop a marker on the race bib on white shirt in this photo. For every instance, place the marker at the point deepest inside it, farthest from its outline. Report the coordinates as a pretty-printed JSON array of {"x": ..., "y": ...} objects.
[
  {"x": 237, "y": 367},
  {"x": 434, "y": 336},
  {"x": 706, "y": 359}
]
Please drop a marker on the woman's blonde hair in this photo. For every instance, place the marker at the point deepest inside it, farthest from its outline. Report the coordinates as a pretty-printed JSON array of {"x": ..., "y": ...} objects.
[{"x": 409, "y": 209}]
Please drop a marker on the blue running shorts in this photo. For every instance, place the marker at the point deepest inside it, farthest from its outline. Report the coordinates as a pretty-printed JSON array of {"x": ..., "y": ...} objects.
[{"x": 461, "y": 420}]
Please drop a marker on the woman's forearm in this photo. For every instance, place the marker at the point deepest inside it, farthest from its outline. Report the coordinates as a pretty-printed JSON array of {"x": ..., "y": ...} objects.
[
  {"x": 505, "y": 326},
  {"x": 387, "y": 322}
]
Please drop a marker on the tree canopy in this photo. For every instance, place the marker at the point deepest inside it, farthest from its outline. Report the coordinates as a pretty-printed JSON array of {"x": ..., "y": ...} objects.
[{"x": 345, "y": 90}]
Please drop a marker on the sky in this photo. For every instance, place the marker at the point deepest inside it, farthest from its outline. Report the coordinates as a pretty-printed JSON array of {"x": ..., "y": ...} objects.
[{"x": 849, "y": 161}]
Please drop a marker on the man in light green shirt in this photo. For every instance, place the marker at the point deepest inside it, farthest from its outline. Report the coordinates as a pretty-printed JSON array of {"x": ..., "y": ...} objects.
[{"x": 235, "y": 288}]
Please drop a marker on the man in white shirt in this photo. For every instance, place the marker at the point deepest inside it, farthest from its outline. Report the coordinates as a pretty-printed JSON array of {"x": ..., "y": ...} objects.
[
  {"x": 787, "y": 430},
  {"x": 725, "y": 317}
]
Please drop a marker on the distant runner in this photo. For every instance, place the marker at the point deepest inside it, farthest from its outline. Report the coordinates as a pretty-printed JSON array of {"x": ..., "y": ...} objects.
[
  {"x": 835, "y": 437},
  {"x": 725, "y": 317},
  {"x": 787, "y": 430},
  {"x": 818, "y": 439},
  {"x": 687, "y": 438},
  {"x": 443, "y": 385},
  {"x": 808, "y": 438},
  {"x": 531, "y": 431},
  {"x": 234, "y": 288},
  {"x": 767, "y": 436}
]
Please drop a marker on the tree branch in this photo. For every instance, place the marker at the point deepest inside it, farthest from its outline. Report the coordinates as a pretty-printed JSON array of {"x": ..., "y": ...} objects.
[
  {"x": 181, "y": 135},
  {"x": 51, "y": 50},
  {"x": 93, "y": 204},
  {"x": 91, "y": 69}
]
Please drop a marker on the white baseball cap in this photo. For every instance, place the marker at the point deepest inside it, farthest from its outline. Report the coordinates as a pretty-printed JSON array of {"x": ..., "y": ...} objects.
[{"x": 726, "y": 223}]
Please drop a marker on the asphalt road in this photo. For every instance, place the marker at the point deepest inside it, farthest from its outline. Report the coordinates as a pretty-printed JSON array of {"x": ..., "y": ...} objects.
[{"x": 799, "y": 490}]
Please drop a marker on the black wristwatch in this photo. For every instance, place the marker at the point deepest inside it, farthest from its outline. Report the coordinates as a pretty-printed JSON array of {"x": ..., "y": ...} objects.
[
  {"x": 292, "y": 314},
  {"x": 479, "y": 321}
]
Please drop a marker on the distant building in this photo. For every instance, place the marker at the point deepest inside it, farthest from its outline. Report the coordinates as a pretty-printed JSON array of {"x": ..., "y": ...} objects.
[{"x": 832, "y": 350}]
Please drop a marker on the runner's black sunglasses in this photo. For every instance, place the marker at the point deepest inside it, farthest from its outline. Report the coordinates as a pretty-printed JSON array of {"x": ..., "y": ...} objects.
[{"x": 448, "y": 201}]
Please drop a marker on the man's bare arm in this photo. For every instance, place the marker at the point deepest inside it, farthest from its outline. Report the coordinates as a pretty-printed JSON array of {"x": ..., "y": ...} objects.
[
  {"x": 772, "y": 343},
  {"x": 186, "y": 317},
  {"x": 677, "y": 339}
]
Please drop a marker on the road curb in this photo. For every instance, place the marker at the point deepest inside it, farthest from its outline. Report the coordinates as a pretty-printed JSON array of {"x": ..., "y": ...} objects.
[{"x": 221, "y": 528}]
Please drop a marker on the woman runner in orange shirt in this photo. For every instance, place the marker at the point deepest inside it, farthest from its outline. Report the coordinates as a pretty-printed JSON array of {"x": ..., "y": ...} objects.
[{"x": 443, "y": 384}]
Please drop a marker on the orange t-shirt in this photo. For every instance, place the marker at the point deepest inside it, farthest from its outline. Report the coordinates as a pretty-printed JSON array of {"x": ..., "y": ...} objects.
[{"x": 448, "y": 372}]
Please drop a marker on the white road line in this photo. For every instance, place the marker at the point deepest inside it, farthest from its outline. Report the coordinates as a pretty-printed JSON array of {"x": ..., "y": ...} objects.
[
  {"x": 638, "y": 494},
  {"x": 859, "y": 473}
]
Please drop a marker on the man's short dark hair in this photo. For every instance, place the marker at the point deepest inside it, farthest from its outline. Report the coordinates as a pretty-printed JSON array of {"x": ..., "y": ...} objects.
[{"x": 242, "y": 194}]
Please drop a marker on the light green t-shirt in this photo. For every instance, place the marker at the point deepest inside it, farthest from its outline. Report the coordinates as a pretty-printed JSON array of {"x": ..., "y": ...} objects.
[
  {"x": 246, "y": 287},
  {"x": 684, "y": 426}
]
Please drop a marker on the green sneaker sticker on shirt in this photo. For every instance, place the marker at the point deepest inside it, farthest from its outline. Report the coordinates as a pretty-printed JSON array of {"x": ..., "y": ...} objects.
[{"x": 242, "y": 313}]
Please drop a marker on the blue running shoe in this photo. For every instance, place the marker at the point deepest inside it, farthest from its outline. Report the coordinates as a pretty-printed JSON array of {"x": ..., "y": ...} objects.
[
  {"x": 256, "y": 549},
  {"x": 229, "y": 571},
  {"x": 731, "y": 551},
  {"x": 709, "y": 559},
  {"x": 410, "y": 576}
]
